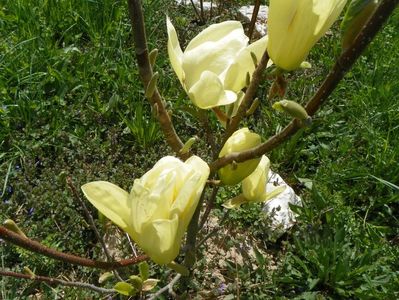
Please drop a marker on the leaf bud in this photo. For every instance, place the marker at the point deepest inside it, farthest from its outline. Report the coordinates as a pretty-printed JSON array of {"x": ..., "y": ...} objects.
[
  {"x": 152, "y": 85},
  {"x": 153, "y": 56},
  {"x": 11, "y": 225}
]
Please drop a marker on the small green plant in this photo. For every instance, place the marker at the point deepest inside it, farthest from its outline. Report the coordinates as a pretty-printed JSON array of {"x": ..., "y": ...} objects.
[
  {"x": 328, "y": 255},
  {"x": 143, "y": 126}
]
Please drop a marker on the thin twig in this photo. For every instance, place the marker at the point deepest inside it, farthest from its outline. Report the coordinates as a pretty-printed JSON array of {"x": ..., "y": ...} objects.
[
  {"x": 253, "y": 19},
  {"x": 210, "y": 137},
  {"x": 146, "y": 74},
  {"x": 92, "y": 224},
  {"x": 196, "y": 10},
  {"x": 131, "y": 244},
  {"x": 202, "y": 11},
  {"x": 57, "y": 281},
  {"x": 168, "y": 287},
  {"x": 192, "y": 230},
  {"x": 343, "y": 64},
  {"x": 34, "y": 246},
  {"x": 248, "y": 98}
]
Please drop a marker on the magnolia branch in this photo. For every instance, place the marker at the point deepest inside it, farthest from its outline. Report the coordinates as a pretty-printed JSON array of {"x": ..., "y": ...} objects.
[
  {"x": 57, "y": 281},
  {"x": 146, "y": 74},
  {"x": 34, "y": 246},
  {"x": 253, "y": 19},
  {"x": 343, "y": 64},
  {"x": 168, "y": 287},
  {"x": 92, "y": 224},
  {"x": 248, "y": 98}
]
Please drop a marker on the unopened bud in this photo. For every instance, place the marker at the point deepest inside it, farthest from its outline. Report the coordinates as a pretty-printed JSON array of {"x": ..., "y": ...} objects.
[
  {"x": 152, "y": 85},
  {"x": 293, "y": 108},
  {"x": 254, "y": 59},
  {"x": 305, "y": 65},
  {"x": 153, "y": 56},
  {"x": 248, "y": 79},
  {"x": 11, "y": 225},
  {"x": 241, "y": 140},
  {"x": 29, "y": 272},
  {"x": 253, "y": 107},
  {"x": 187, "y": 146}
]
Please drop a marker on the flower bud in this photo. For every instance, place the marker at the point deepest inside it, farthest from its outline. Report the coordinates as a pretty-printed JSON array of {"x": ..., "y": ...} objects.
[
  {"x": 187, "y": 146},
  {"x": 292, "y": 108},
  {"x": 294, "y": 26},
  {"x": 254, "y": 187},
  {"x": 241, "y": 140}
]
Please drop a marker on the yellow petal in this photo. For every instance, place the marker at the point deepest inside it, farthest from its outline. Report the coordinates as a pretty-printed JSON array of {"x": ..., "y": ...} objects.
[
  {"x": 241, "y": 140},
  {"x": 188, "y": 196},
  {"x": 295, "y": 26},
  {"x": 209, "y": 92},
  {"x": 274, "y": 193},
  {"x": 160, "y": 241},
  {"x": 153, "y": 202},
  {"x": 110, "y": 200},
  {"x": 254, "y": 186},
  {"x": 213, "y": 56},
  {"x": 235, "y": 75},
  {"x": 235, "y": 202},
  {"x": 200, "y": 166},
  {"x": 231, "y": 29},
  {"x": 231, "y": 175},
  {"x": 174, "y": 51}
]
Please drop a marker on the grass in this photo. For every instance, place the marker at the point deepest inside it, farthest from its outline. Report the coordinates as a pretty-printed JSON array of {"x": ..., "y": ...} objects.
[{"x": 72, "y": 105}]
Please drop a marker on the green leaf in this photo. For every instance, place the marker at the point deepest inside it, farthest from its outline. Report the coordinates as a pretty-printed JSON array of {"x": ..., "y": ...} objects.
[
  {"x": 149, "y": 284},
  {"x": 259, "y": 257},
  {"x": 144, "y": 270},
  {"x": 105, "y": 276},
  {"x": 387, "y": 183},
  {"x": 136, "y": 281},
  {"x": 125, "y": 288}
]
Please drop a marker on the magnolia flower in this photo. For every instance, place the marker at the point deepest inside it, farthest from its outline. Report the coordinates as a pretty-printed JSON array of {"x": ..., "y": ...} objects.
[
  {"x": 254, "y": 186},
  {"x": 294, "y": 26},
  {"x": 159, "y": 207},
  {"x": 215, "y": 64},
  {"x": 241, "y": 140}
]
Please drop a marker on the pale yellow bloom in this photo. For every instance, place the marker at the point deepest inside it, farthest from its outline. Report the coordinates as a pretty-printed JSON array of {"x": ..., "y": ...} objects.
[
  {"x": 241, "y": 140},
  {"x": 214, "y": 66},
  {"x": 294, "y": 26},
  {"x": 254, "y": 186},
  {"x": 159, "y": 207}
]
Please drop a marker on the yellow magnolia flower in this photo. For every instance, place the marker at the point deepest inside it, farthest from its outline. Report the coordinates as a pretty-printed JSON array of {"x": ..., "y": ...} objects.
[
  {"x": 159, "y": 207},
  {"x": 242, "y": 139},
  {"x": 214, "y": 66},
  {"x": 254, "y": 186},
  {"x": 294, "y": 26}
]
